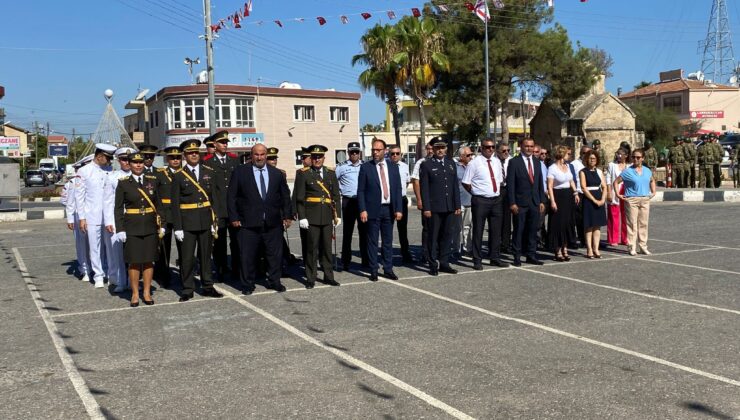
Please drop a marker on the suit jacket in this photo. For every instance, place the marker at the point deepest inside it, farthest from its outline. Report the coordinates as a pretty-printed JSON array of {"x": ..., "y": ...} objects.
[
  {"x": 223, "y": 177},
  {"x": 440, "y": 190},
  {"x": 245, "y": 204},
  {"x": 370, "y": 192},
  {"x": 128, "y": 197},
  {"x": 184, "y": 192},
  {"x": 522, "y": 192}
]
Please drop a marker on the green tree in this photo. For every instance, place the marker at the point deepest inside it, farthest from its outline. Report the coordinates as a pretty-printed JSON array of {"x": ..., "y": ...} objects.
[
  {"x": 602, "y": 60},
  {"x": 380, "y": 45},
  {"x": 420, "y": 59},
  {"x": 658, "y": 125},
  {"x": 643, "y": 84}
]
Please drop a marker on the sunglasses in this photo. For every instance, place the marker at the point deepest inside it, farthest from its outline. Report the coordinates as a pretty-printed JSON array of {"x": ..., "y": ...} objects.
[
  {"x": 317, "y": 157},
  {"x": 504, "y": 150},
  {"x": 469, "y": 155},
  {"x": 174, "y": 158},
  {"x": 354, "y": 152},
  {"x": 395, "y": 153},
  {"x": 636, "y": 157},
  {"x": 487, "y": 147}
]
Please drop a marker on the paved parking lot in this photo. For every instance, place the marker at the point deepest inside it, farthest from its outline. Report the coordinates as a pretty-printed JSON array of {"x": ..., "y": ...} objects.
[{"x": 621, "y": 337}]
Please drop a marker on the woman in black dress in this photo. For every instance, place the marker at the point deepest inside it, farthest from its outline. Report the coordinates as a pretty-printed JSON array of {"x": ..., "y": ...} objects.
[
  {"x": 138, "y": 226},
  {"x": 594, "y": 210},
  {"x": 562, "y": 190}
]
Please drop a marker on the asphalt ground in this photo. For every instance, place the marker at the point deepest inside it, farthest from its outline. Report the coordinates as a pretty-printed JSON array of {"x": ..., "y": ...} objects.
[{"x": 621, "y": 337}]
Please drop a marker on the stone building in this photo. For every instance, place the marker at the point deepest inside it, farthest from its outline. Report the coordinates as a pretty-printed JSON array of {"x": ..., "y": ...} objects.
[{"x": 596, "y": 115}]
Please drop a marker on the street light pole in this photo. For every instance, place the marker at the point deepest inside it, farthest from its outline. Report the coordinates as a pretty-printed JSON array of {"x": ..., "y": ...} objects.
[{"x": 209, "y": 65}]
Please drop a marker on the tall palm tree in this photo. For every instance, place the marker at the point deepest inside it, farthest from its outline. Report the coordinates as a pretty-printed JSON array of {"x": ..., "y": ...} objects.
[
  {"x": 420, "y": 58},
  {"x": 380, "y": 46}
]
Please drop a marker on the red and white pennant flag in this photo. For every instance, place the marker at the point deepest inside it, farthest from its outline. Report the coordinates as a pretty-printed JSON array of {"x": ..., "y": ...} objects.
[{"x": 481, "y": 10}]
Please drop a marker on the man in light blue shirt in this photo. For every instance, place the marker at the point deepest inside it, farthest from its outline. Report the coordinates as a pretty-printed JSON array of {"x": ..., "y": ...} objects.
[
  {"x": 347, "y": 175},
  {"x": 394, "y": 151},
  {"x": 461, "y": 244}
]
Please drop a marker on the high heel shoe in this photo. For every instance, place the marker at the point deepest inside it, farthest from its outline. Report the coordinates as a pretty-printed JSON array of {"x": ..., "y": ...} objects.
[
  {"x": 597, "y": 255},
  {"x": 558, "y": 258},
  {"x": 590, "y": 257},
  {"x": 566, "y": 257},
  {"x": 134, "y": 304},
  {"x": 148, "y": 302}
]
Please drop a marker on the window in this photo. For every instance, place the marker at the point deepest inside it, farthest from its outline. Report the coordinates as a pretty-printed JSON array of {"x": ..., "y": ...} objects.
[
  {"x": 156, "y": 118},
  {"x": 517, "y": 114},
  {"x": 298, "y": 157},
  {"x": 303, "y": 113},
  {"x": 151, "y": 119},
  {"x": 410, "y": 157},
  {"x": 174, "y": 114},
  {"x": 223, "y": 112},
  {"x": 244, "y": 112},
  {"x": 672, "y": 104},
  {"x": 339, "y": 113},
  {"x": 195, "y": 113}
]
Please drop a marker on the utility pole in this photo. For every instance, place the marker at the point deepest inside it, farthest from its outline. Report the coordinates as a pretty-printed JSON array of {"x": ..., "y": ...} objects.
[
  {"x": 209, "y": 68},
  {"x": 70, "y": 149},
  {"x": 35, "y": 143}
]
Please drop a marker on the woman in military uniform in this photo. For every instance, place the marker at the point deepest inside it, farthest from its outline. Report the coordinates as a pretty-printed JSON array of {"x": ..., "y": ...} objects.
[{"x": 138, "y": 226}]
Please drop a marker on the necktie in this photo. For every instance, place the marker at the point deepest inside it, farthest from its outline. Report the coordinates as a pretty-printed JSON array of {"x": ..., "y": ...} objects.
[
  {"x": 383, "y": 181},
  {"x": 223, "y": 161},
  {"x": 529, "y": 169},
  {"x": 493, "y": 177},
  {"x": 262, "y": 184},
  {"x": 503, "y": 169}
]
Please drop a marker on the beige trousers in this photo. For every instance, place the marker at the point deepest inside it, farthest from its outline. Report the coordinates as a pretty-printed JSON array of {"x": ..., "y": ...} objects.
[{"x": 638, "y": 214}]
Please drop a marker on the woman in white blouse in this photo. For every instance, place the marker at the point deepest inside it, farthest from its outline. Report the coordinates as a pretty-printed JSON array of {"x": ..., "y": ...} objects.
[
  {"x": 616, "y": 225},
  {"x": 563, "y": 195}
]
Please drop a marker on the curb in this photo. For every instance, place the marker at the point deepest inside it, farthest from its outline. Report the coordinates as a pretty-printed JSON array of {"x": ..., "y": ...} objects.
[
  {"x": 700, "y": 196},
  {"x": 58, "y": 214},
  {"x": 40, "y": 199}
]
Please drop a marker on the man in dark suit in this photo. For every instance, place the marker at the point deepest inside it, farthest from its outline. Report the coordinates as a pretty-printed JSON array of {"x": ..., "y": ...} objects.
[
  {"x": 223, "y": 163},
  {"x": 440, "y": 196},
  {"x": 259, "y": 207},
  {"x": 194, "y": 220},
  {"x": 379, "y": 201},
  {"x": 526, "y": 198}
]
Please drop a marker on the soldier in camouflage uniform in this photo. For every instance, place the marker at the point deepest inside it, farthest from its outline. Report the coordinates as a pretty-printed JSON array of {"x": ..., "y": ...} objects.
[
  {"x": 651, "y": 156},
  {"x": 705, "y": 157},
  {"x": 677, "y": 159},
  {"x": 719, "y": 153},
  {"x": 689, "y": 151},
  {"x": 603, "y": 162},
  {"x": 735, "y": 163}
]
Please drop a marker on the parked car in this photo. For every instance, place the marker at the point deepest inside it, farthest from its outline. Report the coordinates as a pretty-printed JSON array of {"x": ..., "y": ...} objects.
[{"x": 36, "y": 177}]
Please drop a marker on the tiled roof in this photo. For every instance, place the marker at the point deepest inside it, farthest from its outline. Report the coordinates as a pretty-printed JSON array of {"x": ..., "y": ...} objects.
[
  {"x": 56, "y": 139},
  {"x": 674, "y": 86},
  {"x": 254, "y": 90}
]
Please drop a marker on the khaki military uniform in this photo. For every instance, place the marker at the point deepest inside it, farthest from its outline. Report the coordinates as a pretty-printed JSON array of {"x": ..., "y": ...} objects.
[
  {"x": 603, "y": 163},
  {"x": 719, "y": 153},
  {"x": 320, "y": 206},
  {"x": 689, "y": 151},
  {"x": 677, "y": 159},
  {"x": 705, "y": 157},
  {"x": 651, "y": 159}
]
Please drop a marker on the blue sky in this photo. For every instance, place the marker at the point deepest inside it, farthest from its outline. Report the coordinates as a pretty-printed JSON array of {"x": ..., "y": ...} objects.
[{"x": 59, "y": 56}]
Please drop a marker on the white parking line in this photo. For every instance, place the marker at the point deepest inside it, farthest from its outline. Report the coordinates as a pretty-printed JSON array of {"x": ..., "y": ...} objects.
[
  {"x": 716, "y": 270},
  {"x": 632, "y": 292},
  {"x": 83, "y": 391},
  {"x": 693, "y": 244},
  {"x": 574, "y": 336},
  {"x": 350, "y": 359}
]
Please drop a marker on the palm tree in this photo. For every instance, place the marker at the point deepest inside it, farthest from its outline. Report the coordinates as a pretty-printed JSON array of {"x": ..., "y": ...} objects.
[
  {"x": 380, "y": 46},
  {"x": 420, "y": 57}
]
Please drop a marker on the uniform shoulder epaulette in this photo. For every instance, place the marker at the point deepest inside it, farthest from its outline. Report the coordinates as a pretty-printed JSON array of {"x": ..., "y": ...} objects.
[
  {"x": 123, "y": 178},
  {"x": 163, "y": 170},
  {"x": 305, "y": 169},
  {"x": 207, "y": 167},
  {"x": 178, "y": 171},
  {"x": 150, "y": 176}
]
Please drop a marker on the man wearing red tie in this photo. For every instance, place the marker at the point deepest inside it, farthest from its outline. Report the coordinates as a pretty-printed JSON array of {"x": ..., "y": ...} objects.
[
  {"x": 483, "y": 178},
  {"x": 526, "y": 198}
]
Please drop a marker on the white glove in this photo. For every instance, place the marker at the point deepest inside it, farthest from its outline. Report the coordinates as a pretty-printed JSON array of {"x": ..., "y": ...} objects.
[
  {"x": 213, "y": 230},
  {"x": 162, "y": 231},
  {"x": 303, "y": 223},
  {"x": 337, "y": 222},
  {"x": 179, "y": 235},
  {"x": 121, "y": 236}
]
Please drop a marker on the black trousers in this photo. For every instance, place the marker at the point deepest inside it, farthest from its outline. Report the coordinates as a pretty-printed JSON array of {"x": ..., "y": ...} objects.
[
  {"x": 350, "y": 216},
  {"x": 162, "y": 267},
  {"x": 487, "y": 210},
  {"x": 318, "y": 248},
  {"x": 527, "y": 220},
  {"x": 403, "y": 234},
  {"x": 506, "y": 223},
  {"x": 425, "y": 245},
  {"x": 203, "y": 239},
  {"x": 578, "y": 220},
  {"x": 219, "y": 246},
  {"x": 439, "y": 240},
  {"x": 268, "y": 240}
]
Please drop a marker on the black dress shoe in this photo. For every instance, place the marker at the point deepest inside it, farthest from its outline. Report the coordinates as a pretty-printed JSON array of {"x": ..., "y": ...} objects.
[
  {"x": 390, "y": 275},
  {"x": 408, "y": 259},
  {"x": 278, "y": 288},
  {"x": 332, "y": 282},
  {"x": 517, "y": 262},
  {"x": 186, "y": 297},
  {"x": 433, "y": 271},
  {"x": 499, "y": 263},
  {"x": 212, "y": 293},
  {"x": 447, "y": 269},
  {"x": 477, "y": 266},
  {"x": 247, "y": 291},
  {"x": 534, "y": 261},
  {"x": 310, "y": 285},
  {"x": 345, "y": 267},
  {"x": 374, "y": 277}
]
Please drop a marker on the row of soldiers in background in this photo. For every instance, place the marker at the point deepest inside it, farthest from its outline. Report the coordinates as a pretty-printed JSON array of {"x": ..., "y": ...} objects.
[{"x": 684, "y": 156}]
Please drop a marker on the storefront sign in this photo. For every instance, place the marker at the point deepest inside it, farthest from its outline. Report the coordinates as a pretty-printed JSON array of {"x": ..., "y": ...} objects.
[
  {"x": 58, "y": 150},
  {"x": 236, "y": 140},
  {"x": 10, "y": 143},
  {"x": 707, "y": 114}
]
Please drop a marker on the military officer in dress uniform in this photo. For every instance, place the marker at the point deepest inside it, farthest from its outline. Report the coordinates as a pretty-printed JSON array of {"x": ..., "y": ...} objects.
[
  {"x": 651, "y": 156},
  {"x": 440, "y": 195},
  {"x": 210, "y": 147},
  {"x": 316, "y": 194},
  {"x": 347, "y": 175},
  {"x": 677, "y": 159},
  {"x": 73, "y": 222},
  {"x": 138, "y": 225},
  {"x": 90, "y": 189},
  {"x": 173, "y": 156},
  {"x": 148, "y": 151},
  {"x": 121, "y": 274},
  {"x": 689, "y": 151},
  {"x": 596, "y": 147},
  {"x": 306, "y": 156},
  {"x": 194, "y": 219},
  {"x": 223, "y": 162}
]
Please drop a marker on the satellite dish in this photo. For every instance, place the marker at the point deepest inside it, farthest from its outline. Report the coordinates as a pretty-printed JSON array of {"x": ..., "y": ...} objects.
[
  {"x": 108, "y": 94},
  {"x": 141, "y": 95},
  {"x": 202, "y": 77},
  {"x": 733, "y": 80}
]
